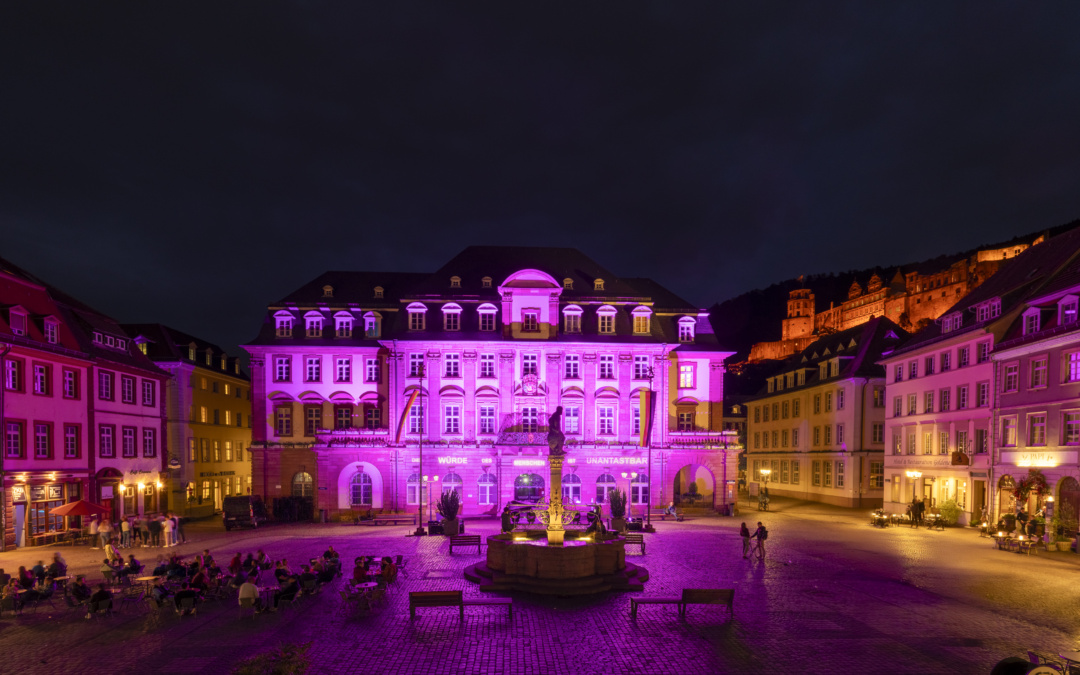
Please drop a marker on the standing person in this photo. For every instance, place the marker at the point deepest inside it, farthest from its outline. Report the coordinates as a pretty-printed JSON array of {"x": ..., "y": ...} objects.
[
  {"x": 760, "y": 535},
  {"x": 166, "y": 530},
  {"x": 95, "y": 525},
  {"x": 144, "y": 530},
  {"x": 105, "y": 530},
  {"x": 125, "y": 533},
  {"x": 155, "y": 531},
  {"x": 178, "y": 528},
  {"x": 744, "y": 534}
]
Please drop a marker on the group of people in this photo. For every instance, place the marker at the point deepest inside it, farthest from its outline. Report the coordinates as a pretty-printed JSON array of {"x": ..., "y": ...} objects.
[
  {"x": 916, "y": 511},
  {"x": 758, "y": 538},
  {"x": 362, "y": 570},
  {"x": 34, "y": 584},
  {"x": 144, "y": 531}
]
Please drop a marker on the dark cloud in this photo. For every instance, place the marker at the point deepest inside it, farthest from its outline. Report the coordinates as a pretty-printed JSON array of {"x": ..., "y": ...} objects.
[{"x": 190, "y": 163}]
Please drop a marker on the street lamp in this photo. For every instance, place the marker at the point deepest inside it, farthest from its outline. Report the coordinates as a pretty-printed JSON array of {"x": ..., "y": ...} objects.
[
  {"x": 765, "y": 473},
  {"x": 429, "y": 481},
  {"x": 629, "y": 490},
  {"x": 914, "y": 476}
]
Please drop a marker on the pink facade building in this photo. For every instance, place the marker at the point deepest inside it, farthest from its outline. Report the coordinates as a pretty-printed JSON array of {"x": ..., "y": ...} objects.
[
  {"x": 81, "y": 411},
  {"x": 373, "y": 390}
]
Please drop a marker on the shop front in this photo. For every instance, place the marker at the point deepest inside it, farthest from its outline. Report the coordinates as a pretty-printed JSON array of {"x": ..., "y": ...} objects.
[{"x": 33, "y": 497}]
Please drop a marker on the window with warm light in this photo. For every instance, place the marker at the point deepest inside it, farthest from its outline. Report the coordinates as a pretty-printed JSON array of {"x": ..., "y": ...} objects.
[{"x": 686, "y": 376}]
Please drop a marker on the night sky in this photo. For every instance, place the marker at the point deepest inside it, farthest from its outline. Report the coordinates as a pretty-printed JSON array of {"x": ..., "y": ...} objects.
[{"x": 189, "y": 163}]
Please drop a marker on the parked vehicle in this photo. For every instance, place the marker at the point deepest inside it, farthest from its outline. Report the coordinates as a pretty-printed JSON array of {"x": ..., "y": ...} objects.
[{"x": 242, "y": 512}]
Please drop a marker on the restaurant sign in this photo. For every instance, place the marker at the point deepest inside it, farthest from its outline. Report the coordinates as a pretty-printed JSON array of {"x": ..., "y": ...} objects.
[
  {"x": 1044, "y": 458},
  {"x": 921, "y": 460},
  {"x": 18, "y": 493}
]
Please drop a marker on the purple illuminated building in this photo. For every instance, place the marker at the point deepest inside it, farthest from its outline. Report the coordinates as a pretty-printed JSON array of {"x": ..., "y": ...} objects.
[{"x": 366, "y": 382}]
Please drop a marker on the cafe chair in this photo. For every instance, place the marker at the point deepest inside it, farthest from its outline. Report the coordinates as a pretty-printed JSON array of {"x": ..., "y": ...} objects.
[
  {"x": 247, "y": 605},
  {"x": 1041, "y": 660}
]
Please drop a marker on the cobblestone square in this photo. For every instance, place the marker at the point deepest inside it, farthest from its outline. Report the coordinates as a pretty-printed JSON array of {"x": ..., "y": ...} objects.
[{"x": 834, "y": 595}]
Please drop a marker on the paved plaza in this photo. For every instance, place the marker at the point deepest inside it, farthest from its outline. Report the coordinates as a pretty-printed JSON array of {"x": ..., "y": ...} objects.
[{"x": 834, "y": 595}]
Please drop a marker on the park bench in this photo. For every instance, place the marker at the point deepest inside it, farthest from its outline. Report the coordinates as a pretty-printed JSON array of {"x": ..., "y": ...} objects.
[
  {"x": 690, "y": 596},
  {"x": 664, "y": 515},
  {"x": 390, "y": 519},
  {"x": 634, "y": 539},
  {"x": 452, "y": 599},
  {"x": 466, "y": 540}
]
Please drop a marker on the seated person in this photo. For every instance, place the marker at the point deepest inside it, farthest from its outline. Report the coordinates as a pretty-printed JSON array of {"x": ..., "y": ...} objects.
[
  {"x": 38, "y": 570},
  {"x": 131, "y": 567},
  {"x": 11, "y": 590},
  {"x": 162, "y": 567},
  {"x": 107, "y": 569},
  {"x": 249, "y": 591},
  {"x": 238, "y": 580},
  {"x": 42, "y": 590},
  {"x": 307, "y": 576},
  {"x": 177, "y": 569},
  {"x": 249, "y": 563},
  {"x": 159, "y": 592},
  {"x": 288, "y": 591},
  {"x": 670, "y": 510},
  {"x": 200, "y": 581},
  {"x": 325, "y": 575},
  {"x": 101, "y": 595},
  {"x": 187, "y": 592},
  {"x": 4, "y": 577},
  {"x": 26, "y": 579},
  {"x": 56, "y": 568},
  {"x": 80, "y": 591},
  {"x": 330, "y": 553},
  {"x": 282, "y": 572},
  {"x": 263, "y": 561},
  {"x": 206, "y": 559},
  {"x": 359, "y": 573},
  {"x": 235, "y": 564}
]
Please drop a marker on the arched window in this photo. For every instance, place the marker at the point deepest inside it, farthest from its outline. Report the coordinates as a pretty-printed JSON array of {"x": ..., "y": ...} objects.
[
  {"x": 452, "y": 481},
  {"x": 451, "y": 316},
  {"x": 416, "y": 312},
  {"x": 302, "y": 486},
  {"x": 528, "y": 487},
  {"x": 686, "y": 329},
  {"x": 486, "y": 282},
  {"x": 606, "y": 316},
  {"x": 412, "y": 490},
  {"x": 572, "y": 319},
  {"x": 605, "y": 485},
  {"x": 361, "y": 489},
  {"x": 571, "y": 489},
  {"x": 486, "y": 487},
  {"x": 641, "y": 316},
  {"x": 639, "y": 489}
]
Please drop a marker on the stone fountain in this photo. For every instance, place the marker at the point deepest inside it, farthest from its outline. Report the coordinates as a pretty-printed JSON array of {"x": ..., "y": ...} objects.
[{"x": 556, "y": 561}]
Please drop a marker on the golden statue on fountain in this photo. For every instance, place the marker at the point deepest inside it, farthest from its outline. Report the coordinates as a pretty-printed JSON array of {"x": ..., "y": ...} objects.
[{"x": 556, "y": 439}]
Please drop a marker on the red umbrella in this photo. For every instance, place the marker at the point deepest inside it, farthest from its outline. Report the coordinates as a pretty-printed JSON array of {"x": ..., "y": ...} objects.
[{"x": 80, "y": 508}]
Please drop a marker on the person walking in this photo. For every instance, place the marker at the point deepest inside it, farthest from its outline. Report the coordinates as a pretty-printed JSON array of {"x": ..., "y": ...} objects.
[
  {"x": 760, "y": 535},
  {"x": 744, "y": 534},
  {"x": 178, "y": 529}
]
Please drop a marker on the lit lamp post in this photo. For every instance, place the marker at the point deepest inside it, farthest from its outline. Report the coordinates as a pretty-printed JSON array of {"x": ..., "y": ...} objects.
[
  {"x": 1048, "y": 516},
  {"x": 914, "y": 476},
  {"x": 765, "y": 473},
  {"x": 629, "y": 491}
]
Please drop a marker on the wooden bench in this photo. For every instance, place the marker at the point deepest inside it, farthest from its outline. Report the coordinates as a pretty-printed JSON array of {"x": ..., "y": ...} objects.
[
  {"x": 453, "y": 599},
  {"x": 690, "y": 596},
  {"x": 635, "y": 539},
  {"x": 466, "y": 540},
  {"x": 390, "y": 519},
  {"x": 664, "y": 515}
]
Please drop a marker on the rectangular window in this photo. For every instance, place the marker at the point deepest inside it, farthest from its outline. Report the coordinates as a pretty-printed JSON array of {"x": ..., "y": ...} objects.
[
  {"x": 983, "y": 394},
  {"x": 686, "y": 423},
  {"x": 641, "y": 324},
  {"x": 372, "y": 417},
  {"x": 1011, "y": 381},
  {"x": 71, "y": 441},
  {"x": 149, "y": 442},
  {"x": 127, "y": 441},
  {"x": 282, "y": 369},
  {"x": 877, "y": 433},
  {"x": 416, "y": 419},
  {"x": 928, "y": 402},
  {"x": 343, "y": 416},
  {"x": 71, "y": 383},
  {"x": 839, "y": 399},
  {"x": 13, "y": 439},
  {"x": 371, "y": 370},
  {"x": 106, "y": 434},
  {"x": 1038, "y": 373},
  {"x": 898, "y": 406},
  {"x": 963, "y": 357},
  {"x": 686, "y": 376},
  {"x": 529, "y": 364},
  {"x": 817, "y": 404},
  {"x": 217, "y": 451},
  {"x": 757, "y": 440},
  {"x": 1072, "y": 367},
  {"x": 641, "y": 367},
  {"x": 982, "y": 441},
  {"x": 52, "y": 330},
  {"x": 41, "y": 380},
  {"x": 928, "y": 366},
  {"x": 573, "y": 323},
  {"x": 487, "y": 321},
  {"x": 828, "y": 434},
  {"x": 877, "y": 475},
  {"x": 312, "y": 369},
  {"x": 149, "y": 393},
  {"x": 897, "y": 443},
  {"x": 794, "y": 438},
  {"x": 451, "y": 321},
  {"x": 312, "y": 419},
  {"x": 530, "y": 420},
  {"x": 635, "y": 421},
  {"x": 828, "y": 401},
  {"x": 962, "y": 398},
  {"x": 1072, "y": 428},
  {"x": 314, "y": 326},
  {"x": 416, "y": 321},
  {"x": 416, "y": 365},
  {"x": 343, "y": 369},
  {"x": 283, "y": 420},
  {"x": 962, "y": 441},
  {"x": 127, "y": 389},
  {"x": 1037, "y": 430},
  {"x": 826, "y": 471},
  {"x": 343, "y": 327},
  {"x": 487, "y": 419},
  {"x": 217, "y": 416},
  {"x": 946, "y": 361},
  {"x": 913, "y": 370},
  {"x": 943, "y": 443},
  {"x": 452, "y": 365},
  {"x": 42, "y": 440},
  {"x": 983, "y": 352},
  {"x": 776, "y": 411},
  {"x": 795, "y": 471},
  {"x": 1008, "y": 431},
  {"x": 816, "y": 473},
  {"x": 911, "y": 443},
  {"x": 839, "y": 434},
  {"x": 530, "y": 321},
  {"x": 573, "y": 366},
  {"x": 928, "y": 443},
  {"x": 817, "y": 435},
  {"x": 898, "y": 375},
  {"x": 607, "y": 367},
  {"x": 912, "y": 402},
  {"x": 452, "y": 419},
  {"x": 572, "y": 420},
  {"x": 487, "y": 365},
  {"x": 105, "y": 382},
  {"x": 605, "y": 420},
  {"x": 607, "y": 324},
  {"x": 795, "y": 408}
]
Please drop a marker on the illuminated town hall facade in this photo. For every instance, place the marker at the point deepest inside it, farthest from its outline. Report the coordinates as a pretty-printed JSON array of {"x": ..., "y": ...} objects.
[{"x": 365, "y": 383}]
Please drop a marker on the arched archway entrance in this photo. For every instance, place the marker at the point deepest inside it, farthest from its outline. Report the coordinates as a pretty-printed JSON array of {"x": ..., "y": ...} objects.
[
  {"x": 1068, "y": 505},
  {"x": 1006, "y": 503},
  {"x": 694, "y": 485},
  {"x": 109, "y": 481},
  {"x": 528, "y": 487}
]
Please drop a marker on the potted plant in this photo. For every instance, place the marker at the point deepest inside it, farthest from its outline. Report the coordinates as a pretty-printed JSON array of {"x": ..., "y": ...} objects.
[
  {"x": 617, "y": 504},
  {"x": 448, "y": 507}
]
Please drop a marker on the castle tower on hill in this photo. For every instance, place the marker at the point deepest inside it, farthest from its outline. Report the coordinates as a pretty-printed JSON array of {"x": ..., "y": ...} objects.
[{"x": 800, "y": 314}]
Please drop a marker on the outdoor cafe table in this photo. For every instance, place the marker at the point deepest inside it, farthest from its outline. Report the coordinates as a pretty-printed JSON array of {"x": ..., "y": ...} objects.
[
  {"x": 1071, "y": 658},
  {"x": 365, "y": 586}
]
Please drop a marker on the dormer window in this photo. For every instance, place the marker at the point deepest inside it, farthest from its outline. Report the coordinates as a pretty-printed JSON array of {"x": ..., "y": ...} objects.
[
  {"x": 17, "y": 320},
  {"x": 371, "y": 325},
  {"x": 823, "y": 370},
  {"x": 451, "y": 316},
  {"x": 343, "y": 322},
  {"x": 487, "y": 313},
  {"x": 52, "y": 331},
  {"x": 606, "y": 316},
  {"x": 572, "y": 318},
  {"x": 313, "y": 324},
  {"x": 1031, "y": 321},
  {"x": 328, "y": 291},
  {"x": 224, "y": 362},
  {"x": 486, "y": 282},
  {"x": 455, "y": 282},
  {"x": 284, "y": 325},
  {"x": 378, "y": 292},
  {"x": 951, "y": 322},
  {"x": 530, "y": 320},
  {"x": 686, "y": 329},
  {"x": 191, "y": 352},
  {"x": 209, "y": 357},
  {"x": 417, "y": 313},
  {"x": 142, "y": 347},
  {"x": 1067, "y": 309},
  {"x": 771, "y": 386},
  {"x": 988, "y": 310},
  {"x": 641, "y": 320},
  {"x": 98, "y": 338},
  {"x": 110, "y": 341},
  {"x": 568, "y": 284},
  {"x": 598, "y": 284}
]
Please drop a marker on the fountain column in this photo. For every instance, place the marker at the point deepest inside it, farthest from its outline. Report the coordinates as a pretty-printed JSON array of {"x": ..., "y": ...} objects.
[{"x": 555, "y": 531}]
